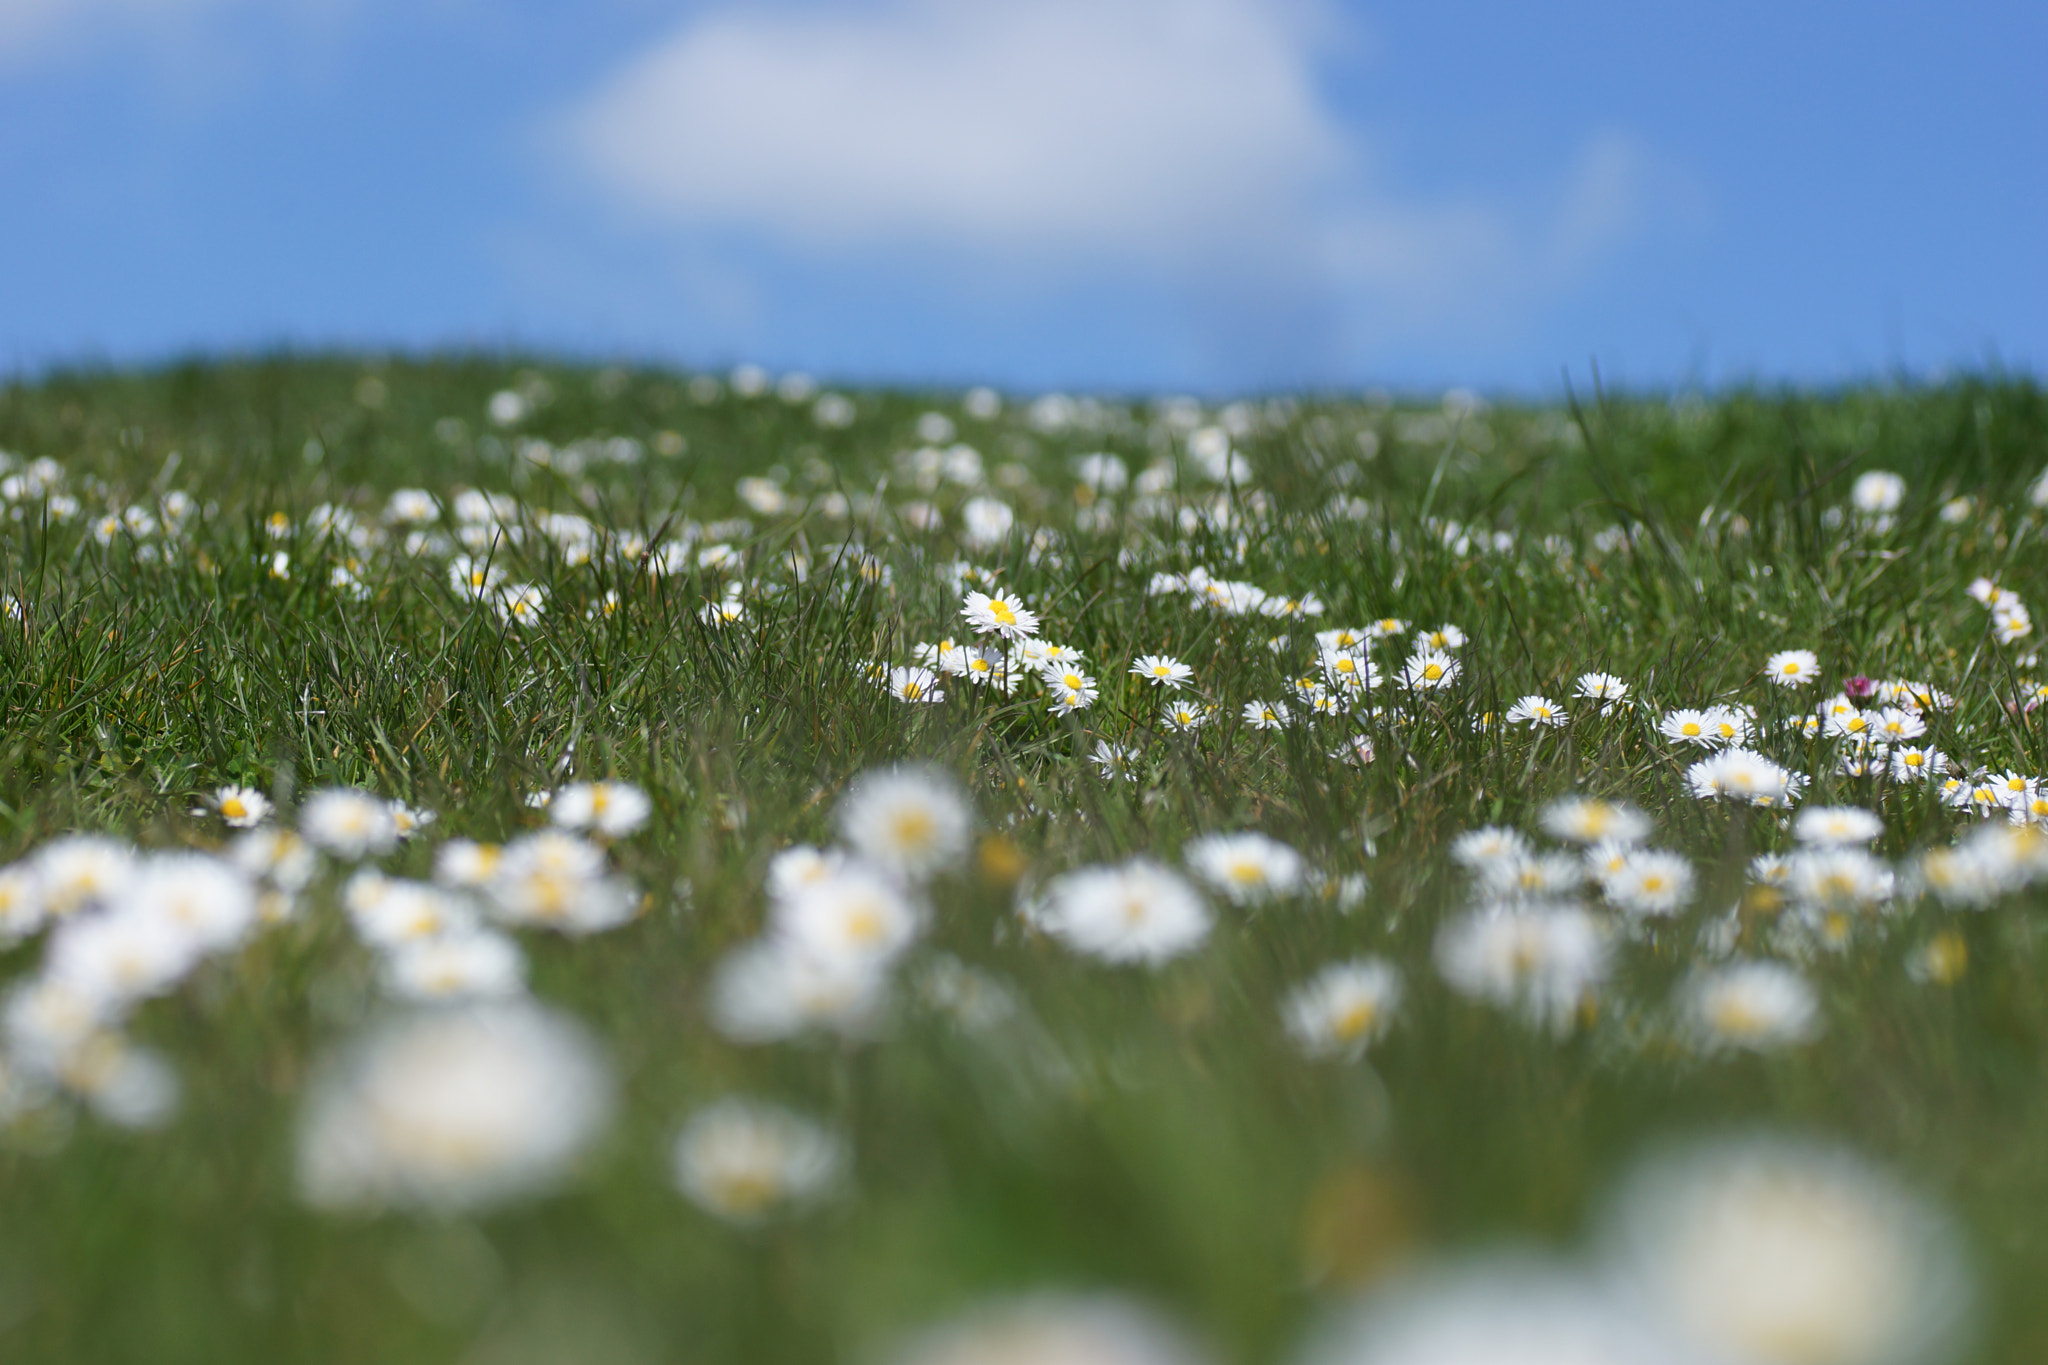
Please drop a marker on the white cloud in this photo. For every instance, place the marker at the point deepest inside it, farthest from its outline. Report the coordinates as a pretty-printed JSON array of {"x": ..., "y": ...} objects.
[
  {"x": 1060, "y": 126},
  {"x": 1057, "y": 141}
]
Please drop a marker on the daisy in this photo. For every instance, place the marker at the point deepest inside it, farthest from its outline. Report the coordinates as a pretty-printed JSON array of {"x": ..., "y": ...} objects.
[
  {"x": 1604, "y": 688},
  {"x": 1357, "y": 751},
  {"x": 1002, "y": 614},
  {"x": 1349, "y": 672},
  {"x": 1729, "y": 725},
  {"x": 1536, "y": 711},
  {"x": 1162, "y": 670},
  {"x": 1895, "y": 725},
  {"x": 1443, "y": 637},
  {"x": 1852, "y": 724},
  {"x": 1072, "y": 690},
  {"x": 915, "y": 685},
  {"x": 1266, "y": 715},
  {"x": 1185, "y": 717},
  {"x": 241, "y": 807},
  {"x": 1793, "y": 667},
  {"x": 1343, "y": 1008},
  {"x": 2014, "y": 789},
  {"x": 1386, "y": 628},
  {"x": 1688, "y": 726},
  {"x": 946, "y": 656},
  {"x": 1429, "y": 669},
  {"x": 1113, "y": 761},
  {"x": 1913, "y": 764},
  {"x": 1342, "y": 639}
]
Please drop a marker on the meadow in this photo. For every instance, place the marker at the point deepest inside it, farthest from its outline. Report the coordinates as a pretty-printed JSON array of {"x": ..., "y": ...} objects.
[{"x": 613, "y": 865}]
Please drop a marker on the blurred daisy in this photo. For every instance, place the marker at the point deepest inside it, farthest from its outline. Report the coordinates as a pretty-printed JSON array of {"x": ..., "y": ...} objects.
[
  {"x": 1480, "y": 850},
  {"x": 744, "y": 1161},
  {"x": 1587, "y": 820},
  {"x": 854, "y": 915},
  {"x": 612, "y": 809},
  {"x": 1113, "y": 761},
  {"x": 1753, "y": 1005},
  {"x": 1785, "y": 1251},
  {"x": 1137, "y": 911},
  {"x": 551, "y": 879},
  {"x": 1543, "y": 963},
  {"x": 1247, "y": 868},
  {"x": 775, "y": 989},
  {"x": 1501, "y": 1310},
  {"x": 468, "y": 964},
  {"x": 453, "y": 1109},
  {"x": 82, "y": 871},
  {"x": 1052, "y": 1329},
  {"x": 1649, "y": 882},
  {"x": 347, "y": 823},
  {"x": 1829, "y": 825},
  {"x": 912, "y": 820},
  {"x": 1343, "y": 1008}
]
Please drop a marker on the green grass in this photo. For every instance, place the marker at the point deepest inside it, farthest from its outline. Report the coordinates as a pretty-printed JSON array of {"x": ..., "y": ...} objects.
[{"x": 1153, "y": 1131}]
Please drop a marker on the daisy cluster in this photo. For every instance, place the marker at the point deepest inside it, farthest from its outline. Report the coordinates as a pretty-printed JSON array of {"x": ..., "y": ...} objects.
[
  {"x": 1657, "y": 869},
  {"x": 120, "y": 926}
]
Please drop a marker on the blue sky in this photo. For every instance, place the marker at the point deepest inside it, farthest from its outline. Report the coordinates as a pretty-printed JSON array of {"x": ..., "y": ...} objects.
[{"x": 1156, "y": 194}]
